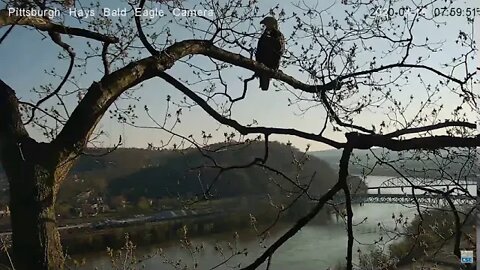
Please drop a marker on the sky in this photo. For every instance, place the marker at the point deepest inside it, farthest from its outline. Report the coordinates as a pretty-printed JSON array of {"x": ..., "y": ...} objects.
[{"x": 24, "y": 56}]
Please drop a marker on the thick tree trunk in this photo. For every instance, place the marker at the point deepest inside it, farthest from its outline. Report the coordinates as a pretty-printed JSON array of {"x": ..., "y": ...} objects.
[
  {"x": 33, "y": 180},
  {"x": 34, "y": 171},
  {"x": 36, "y": 242}
]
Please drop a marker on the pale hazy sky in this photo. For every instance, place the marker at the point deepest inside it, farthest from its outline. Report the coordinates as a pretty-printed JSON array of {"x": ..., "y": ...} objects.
[{"x": 24, "y": 56}]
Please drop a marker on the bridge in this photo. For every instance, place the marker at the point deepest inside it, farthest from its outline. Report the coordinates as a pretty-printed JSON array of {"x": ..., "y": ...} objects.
[
  {"x": 443, "y": 187},
  {"x": 408, "y": 198},
  {"x": 423, "y": 199}
]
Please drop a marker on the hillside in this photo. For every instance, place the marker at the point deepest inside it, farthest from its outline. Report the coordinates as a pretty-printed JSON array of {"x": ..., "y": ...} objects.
[
  {"x": 137, "y": 174},
  {"x": 364, "y": 157},
  {"x": 421, "y": 164}
]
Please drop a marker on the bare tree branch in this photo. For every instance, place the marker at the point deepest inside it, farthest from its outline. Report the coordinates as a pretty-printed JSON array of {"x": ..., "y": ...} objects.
[
  {"x": 431, "y": 127},
  {"x": 342, "y": 178},
  {"x": 240, "y": 128},
  {"x": 44, "y": 24},
  {"x": 362, "y": 141},
  {"x": 58, "y": 40},
  {"x": 348, "y": 206}
]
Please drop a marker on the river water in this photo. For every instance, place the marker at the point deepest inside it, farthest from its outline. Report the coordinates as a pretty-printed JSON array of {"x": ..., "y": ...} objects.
[{"x": 314, "y": 247}]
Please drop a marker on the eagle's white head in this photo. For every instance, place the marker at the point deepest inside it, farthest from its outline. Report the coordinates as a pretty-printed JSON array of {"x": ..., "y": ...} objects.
[{"x": 270, "y": 23}]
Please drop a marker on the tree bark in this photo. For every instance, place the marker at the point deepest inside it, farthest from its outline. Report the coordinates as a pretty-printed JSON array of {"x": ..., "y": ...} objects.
[
  {"x": 34, "y": 171},
  {"x": 32, "y": 178}
]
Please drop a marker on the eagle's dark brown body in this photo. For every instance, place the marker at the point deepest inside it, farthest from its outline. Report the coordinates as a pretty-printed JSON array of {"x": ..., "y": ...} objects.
[{"x": 270, "y": 48}]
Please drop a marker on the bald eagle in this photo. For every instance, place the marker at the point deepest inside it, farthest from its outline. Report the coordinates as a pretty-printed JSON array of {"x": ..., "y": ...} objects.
[{"x": 270, "y": 49}]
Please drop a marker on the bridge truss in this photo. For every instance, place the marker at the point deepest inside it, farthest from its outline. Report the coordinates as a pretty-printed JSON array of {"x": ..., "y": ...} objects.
[{"x": 423, "y": 199}]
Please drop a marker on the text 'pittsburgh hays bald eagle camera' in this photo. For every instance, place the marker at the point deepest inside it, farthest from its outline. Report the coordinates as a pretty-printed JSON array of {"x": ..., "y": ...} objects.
[{"x": 270, "y": 49}]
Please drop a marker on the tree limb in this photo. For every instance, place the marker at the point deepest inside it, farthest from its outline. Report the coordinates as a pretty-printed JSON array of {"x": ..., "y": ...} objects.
[
  {"x": 431, "y": 127},
  {"x": 12, "y": 130},
  {"x": 101, "y": 95},
  {"x": 348, "y": 206},
  {"x": 11, "y": 126},
  {"x": 237, "y": 126},
  {"x": 44, "y": 24},
  {"x": 363, "y": 141},
  {"x": 342, "y": 178},
  {"x": 58, "y": 40},
  {"x": 141, "y": 34}
]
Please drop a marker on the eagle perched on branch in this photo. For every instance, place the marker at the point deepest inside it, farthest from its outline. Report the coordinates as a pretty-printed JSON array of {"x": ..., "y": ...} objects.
[{"x": 270, "y": 49}]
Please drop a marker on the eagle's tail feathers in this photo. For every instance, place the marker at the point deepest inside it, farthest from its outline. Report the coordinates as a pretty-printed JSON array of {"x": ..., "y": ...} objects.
[{"x": 264, "y": 82}]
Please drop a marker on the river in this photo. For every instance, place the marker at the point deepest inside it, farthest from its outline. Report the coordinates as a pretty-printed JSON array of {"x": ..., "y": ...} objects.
[{"x": 314, "y": 247}]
